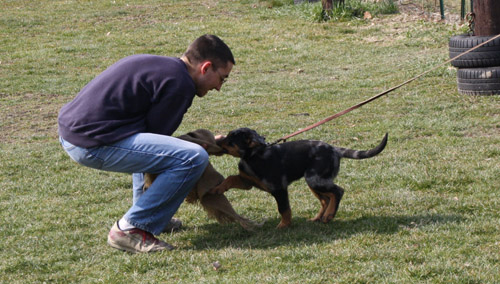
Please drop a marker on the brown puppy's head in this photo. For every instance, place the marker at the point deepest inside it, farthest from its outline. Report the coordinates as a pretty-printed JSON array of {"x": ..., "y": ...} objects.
[
  {"x": 241, "y": 141},
  {"x": 206, "y": 139}
]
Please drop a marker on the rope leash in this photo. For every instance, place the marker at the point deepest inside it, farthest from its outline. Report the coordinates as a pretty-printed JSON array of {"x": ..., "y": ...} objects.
[{"x": 283, "y": 139}]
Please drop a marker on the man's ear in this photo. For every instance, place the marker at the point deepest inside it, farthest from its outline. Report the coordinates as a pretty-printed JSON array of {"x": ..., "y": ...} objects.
[{"x": 205, "y": 66}]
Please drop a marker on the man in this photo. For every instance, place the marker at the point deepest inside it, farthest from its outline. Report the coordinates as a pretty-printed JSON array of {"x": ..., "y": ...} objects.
[{"x": 122, "y": 121}]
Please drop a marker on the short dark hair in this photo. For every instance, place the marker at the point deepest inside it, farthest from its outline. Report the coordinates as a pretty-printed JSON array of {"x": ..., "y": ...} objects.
[{"x": 212, "y": 48}]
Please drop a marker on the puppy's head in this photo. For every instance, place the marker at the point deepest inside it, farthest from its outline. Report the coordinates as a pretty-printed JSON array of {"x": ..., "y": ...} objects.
[{"x": 241, "y": 141}]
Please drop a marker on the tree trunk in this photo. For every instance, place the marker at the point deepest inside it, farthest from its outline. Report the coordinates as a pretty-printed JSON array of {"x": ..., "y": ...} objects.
[
  {"x": 487, "y": 17},
  {"x": 327, "y": 5}
]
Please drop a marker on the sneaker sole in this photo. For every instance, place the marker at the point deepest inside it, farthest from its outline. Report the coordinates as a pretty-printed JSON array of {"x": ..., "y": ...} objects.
[
  {"x": 131, "y": 250},
  {"x": 115, "y": 246}
]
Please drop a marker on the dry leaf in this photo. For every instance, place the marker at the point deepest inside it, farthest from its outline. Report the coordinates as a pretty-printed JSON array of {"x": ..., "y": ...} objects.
[{"x": 216, "y": 265}]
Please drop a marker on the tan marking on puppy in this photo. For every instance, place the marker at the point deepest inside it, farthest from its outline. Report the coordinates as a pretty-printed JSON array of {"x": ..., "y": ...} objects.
[
  {"x": 331, "y": 209},
  {"x": 324, "y": 203},
  {"x": 286, "y": 219}
]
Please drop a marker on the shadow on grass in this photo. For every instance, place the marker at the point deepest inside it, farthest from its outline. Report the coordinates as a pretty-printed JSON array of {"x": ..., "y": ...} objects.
[{"x": 216, "y": 236}]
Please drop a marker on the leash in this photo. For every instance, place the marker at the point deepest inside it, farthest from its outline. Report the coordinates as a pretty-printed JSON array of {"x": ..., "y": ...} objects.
[{"x": 284, "y": 138}]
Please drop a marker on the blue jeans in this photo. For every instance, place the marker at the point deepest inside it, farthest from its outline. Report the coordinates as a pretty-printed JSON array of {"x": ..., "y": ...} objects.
[{"x": 178, "y": 163}]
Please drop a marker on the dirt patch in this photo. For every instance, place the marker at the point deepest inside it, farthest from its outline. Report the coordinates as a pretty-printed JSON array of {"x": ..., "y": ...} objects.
[
  {"x": 413, "y": 12},
  {"x": 410, "y": 16},
  {"x": 29, "y": 117}
]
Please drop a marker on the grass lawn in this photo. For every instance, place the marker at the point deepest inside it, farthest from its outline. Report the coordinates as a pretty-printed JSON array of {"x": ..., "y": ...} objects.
[{"x": 426, "y": 210}]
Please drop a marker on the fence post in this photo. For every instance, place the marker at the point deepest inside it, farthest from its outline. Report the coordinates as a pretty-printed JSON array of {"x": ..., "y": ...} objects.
[
  {"x": 462, "y": 10},
  {"x": 441, "y": 7},
  {"x": 487, "y": 19}
]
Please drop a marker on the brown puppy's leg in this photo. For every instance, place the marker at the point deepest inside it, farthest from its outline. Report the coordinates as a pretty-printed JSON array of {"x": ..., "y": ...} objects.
[
  {"x": 218, "y": 206},
  {"x": 148, "y": 180},
  {"x": 231, "y": 182},
  {"x": 324, "y": 202}
]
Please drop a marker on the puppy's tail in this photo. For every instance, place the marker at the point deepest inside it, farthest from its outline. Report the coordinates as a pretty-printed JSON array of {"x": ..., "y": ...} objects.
[{"x": 355, "y": 154}]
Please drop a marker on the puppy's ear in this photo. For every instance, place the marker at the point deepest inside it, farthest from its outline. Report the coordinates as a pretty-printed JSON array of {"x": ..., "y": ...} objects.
[
  {"x": 252, "y": 144},
  {"x": 256, "y": 140}
]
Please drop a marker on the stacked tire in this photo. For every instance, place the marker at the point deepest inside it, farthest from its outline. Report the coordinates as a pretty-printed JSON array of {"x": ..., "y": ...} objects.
[{"x": 479, "y": 70}]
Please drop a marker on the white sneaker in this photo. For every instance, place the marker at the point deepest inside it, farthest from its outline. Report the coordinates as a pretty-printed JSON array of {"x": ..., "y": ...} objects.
[{"x": 135, "y": 240}]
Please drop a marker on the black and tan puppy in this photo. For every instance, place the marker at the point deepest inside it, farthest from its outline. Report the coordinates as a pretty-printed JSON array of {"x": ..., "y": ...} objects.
[{"x": 273, "y": 167}]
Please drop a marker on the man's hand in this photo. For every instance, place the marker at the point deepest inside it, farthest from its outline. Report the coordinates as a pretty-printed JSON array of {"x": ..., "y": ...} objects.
[{"x": 206, "y": 145}]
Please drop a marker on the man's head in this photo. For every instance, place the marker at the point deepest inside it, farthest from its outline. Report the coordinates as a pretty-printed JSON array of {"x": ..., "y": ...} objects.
[{"x": 209, "y": 61}]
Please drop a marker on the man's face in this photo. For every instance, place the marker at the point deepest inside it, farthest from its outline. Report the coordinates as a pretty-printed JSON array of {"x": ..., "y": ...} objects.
[{"x": 211, "y": 78}]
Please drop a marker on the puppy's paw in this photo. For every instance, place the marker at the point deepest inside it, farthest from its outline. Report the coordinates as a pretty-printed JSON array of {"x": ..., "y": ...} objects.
[
  {"x": 315, "y": 219},
  {"x": 283, "y": 225},
  {"x": 326, "y": 218}
]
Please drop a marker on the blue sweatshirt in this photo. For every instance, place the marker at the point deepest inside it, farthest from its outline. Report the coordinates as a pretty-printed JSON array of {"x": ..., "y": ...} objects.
[{"x": 139, "y": 93}]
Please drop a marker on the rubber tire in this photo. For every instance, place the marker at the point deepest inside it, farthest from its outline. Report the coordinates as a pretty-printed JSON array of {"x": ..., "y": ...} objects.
[
  {"x": 485, "y": 56},
  {"x": 479, "y": 81}
]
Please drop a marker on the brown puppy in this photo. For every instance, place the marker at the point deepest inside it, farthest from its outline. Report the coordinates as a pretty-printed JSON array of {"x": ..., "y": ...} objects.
[
  {"x": 216, "y": 205},
  {"x": 273, "y": 167}
]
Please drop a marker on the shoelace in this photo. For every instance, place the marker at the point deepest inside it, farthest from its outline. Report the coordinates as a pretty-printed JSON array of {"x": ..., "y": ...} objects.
[{"x": 145, "y": 235}]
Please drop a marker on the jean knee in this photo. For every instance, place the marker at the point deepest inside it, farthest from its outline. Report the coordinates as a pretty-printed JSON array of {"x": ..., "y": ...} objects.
[{"x": 200, "y": 157}]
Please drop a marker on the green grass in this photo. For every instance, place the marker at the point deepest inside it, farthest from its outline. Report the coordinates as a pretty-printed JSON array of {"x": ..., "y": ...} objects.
[{"x": 424, "y": 211}]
